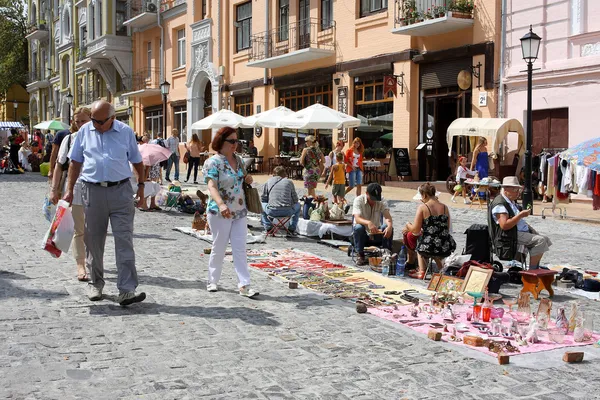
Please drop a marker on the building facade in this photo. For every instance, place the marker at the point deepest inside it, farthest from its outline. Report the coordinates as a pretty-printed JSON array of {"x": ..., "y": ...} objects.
[
  {"x": 566, "y": 86},
  {"x": 79, "y": 48},
  {"x": 14, "y": 104}
]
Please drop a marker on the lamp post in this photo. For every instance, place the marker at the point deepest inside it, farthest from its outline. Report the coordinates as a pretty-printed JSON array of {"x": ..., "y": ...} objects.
[
  {"x": 530, "y": 45},
  {"x": 164, "y": 89},
  {"x": 15, "y": 106},
  {"x": 69, "y": 99}
]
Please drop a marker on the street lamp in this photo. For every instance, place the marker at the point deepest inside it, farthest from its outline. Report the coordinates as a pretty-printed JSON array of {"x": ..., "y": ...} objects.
[
  {"x": 15, "y": 106},
  {"x": 69, "y": 99},
  {"x": 530, "y": 45},
  {"x": 164, "y": 89}
]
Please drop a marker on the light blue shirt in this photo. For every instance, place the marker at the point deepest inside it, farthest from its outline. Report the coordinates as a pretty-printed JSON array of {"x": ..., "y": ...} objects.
[
  {"x": 500, "y": 209},
  {"x": 105, "y": 156}
]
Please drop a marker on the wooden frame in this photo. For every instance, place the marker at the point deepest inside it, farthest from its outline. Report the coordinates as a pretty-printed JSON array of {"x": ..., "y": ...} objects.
[
  {"x": 433, "y": 283},
  {"x": 477, "y": 279},
  {"x": 443, "y": 284}
]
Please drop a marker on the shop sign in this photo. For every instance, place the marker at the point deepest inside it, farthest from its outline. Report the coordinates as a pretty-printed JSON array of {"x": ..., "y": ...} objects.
[
  {"x": 343, "y": 107},
  {"x": 389, "y": 84}
]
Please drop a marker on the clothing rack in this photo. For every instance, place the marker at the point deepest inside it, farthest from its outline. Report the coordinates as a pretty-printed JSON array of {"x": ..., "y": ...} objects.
[{"x": 562, "y": 210}]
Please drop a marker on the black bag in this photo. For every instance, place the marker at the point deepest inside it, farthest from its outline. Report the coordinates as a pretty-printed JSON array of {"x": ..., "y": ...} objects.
[{"x": 478, "y": 243}]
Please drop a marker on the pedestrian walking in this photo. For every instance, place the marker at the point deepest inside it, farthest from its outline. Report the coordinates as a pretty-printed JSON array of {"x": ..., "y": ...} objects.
[
  {"x": 173, "y": 145},
  {"x": 226, "y": 213},
  {"x": 194, "y": 147},
  {"x": 81, "y": 117},
  {"x": 102, "y": 152}
]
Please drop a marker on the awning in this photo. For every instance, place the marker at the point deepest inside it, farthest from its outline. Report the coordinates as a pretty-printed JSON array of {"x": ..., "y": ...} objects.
[
  {"x": 10, "y": 124},
  {"x": 493, "y": 129}
]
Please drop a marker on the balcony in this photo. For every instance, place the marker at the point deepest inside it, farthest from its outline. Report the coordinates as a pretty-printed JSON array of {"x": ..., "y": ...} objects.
[
  {"x": 299, "y": 42},
  {"x": 170, "y": 4},
  {"x": 144, "y": 82},
  {"x": 141, "y": 13},
  {"x": 36, "y": 81},
  {"x": 432, "y": 17},
  {"x": 38, "y": 31}
]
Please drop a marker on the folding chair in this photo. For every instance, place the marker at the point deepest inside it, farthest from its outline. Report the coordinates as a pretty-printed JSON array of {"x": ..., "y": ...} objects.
[
  {"x": 277, "y": 224},
  {"x": 172, "y": 198}
]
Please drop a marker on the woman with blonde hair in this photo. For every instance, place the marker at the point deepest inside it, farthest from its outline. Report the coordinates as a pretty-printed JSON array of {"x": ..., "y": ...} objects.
[
  {"x": 354, "y": 165},
  {"x": 480, "y": 161},
  {"x": 80, "y": 117},
  {"x": 194, "y": 148}
]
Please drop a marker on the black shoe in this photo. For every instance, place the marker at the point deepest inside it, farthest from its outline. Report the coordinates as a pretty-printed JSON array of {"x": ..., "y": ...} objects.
[
  {"x": 126, "y": 299},
  {"x": 347, "y": 209},
  {"x": 186, "y": 181},
  {"x": 196, "y": 183},
  {"x": 167, "y": 179}
]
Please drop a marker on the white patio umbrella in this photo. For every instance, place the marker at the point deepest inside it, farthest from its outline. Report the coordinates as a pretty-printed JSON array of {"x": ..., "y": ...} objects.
[
  {"x": 269, "y": 119},
  {"x": 52, "y": 125},
  {"x": 319, "y": 116},
  {"x": 219, "y": 119}
]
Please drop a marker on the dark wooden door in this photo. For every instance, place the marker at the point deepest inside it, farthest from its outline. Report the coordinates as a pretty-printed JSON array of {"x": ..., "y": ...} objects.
[{"x": 550, "y": 129}]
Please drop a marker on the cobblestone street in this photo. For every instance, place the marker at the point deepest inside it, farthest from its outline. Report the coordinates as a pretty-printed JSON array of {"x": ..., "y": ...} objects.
[{"x": 186, "y": 343}]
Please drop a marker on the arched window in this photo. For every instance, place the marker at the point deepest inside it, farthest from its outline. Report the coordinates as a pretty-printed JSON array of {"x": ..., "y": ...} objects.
[
  {"x": 66, "y": 25},
  {"x": 33, "y": 14},
  {"x": 92, "y": 21}
]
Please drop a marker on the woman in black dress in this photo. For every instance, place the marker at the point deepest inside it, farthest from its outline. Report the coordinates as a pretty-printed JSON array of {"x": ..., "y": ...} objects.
[{"x": 432, "y": 225}]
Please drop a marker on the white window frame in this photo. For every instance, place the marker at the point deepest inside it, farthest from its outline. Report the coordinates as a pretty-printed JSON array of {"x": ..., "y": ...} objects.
[{"x": 181, "y": 48}]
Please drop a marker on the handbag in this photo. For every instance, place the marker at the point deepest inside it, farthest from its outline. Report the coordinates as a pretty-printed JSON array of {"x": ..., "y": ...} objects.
[
  {"x": 253, "y": 203},
  {"x": 186, "y": 157}
]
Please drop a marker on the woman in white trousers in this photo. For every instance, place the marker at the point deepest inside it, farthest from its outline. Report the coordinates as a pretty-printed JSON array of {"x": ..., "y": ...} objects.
[{"x": 226, "y": 211}]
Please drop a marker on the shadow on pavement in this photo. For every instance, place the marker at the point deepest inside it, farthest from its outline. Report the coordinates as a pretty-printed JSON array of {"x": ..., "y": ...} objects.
[
  {"x": 302, "y": 302},
  {"x": 152, "y": 236},
  {"x": 8, "y": 290},
  {"x": 247, "y": 315}
]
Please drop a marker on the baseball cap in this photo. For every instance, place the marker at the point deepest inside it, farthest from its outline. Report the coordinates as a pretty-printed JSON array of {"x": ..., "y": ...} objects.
[{"x": 374, "y": 190}]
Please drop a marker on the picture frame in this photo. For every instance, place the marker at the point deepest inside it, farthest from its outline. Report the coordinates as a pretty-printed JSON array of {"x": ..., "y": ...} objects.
[
  {"x": 445, "y": 280},
  {"x": 434, "y": 282},
  {"x": 477, "y": 279}
]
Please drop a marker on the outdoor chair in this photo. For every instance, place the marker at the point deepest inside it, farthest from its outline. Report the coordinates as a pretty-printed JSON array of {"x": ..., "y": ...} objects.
[{"x": 277, "y": 224}]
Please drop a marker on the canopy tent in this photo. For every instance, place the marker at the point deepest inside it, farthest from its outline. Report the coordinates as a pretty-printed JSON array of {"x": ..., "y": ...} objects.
[
  {"x": 494, "y": 130},
  {"x": 52, "y": 125},
  {"x": 218, "y": 120},
  {"x": 10, "y": 125}
]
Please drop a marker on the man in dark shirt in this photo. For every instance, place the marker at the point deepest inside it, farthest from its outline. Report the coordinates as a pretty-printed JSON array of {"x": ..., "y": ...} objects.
[{"x": 60, "y": 135}]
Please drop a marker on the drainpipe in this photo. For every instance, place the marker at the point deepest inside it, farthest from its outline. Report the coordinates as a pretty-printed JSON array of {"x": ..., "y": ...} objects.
[
  {"x": 218, "y": 105},
  {"x": 501, "y": 93},
  {"x": 267, "y": 38},
  {"x": 162, "y": 43}
]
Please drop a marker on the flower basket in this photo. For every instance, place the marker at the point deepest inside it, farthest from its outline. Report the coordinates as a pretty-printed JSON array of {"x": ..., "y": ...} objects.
[{"x": 460, "y": 14}]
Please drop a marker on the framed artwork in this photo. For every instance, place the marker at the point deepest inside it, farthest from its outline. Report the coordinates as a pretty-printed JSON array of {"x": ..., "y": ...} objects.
[
  {"x": 433, "y": 283},
  {"x": 449, "y": 284},
  {"x": 477, "y": 279}
]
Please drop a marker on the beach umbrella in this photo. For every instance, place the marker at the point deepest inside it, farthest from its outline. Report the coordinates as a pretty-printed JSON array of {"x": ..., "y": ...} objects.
[
  {"x": 153, "y": 154},
  {"x": 218, "y": 120},
  {"x": 52, "y": 125},
  {"x": 269, "y": 119},
  {"x": 586, "y": 154},
  {"x": 387, "y": 136},
  {"x": 319, "y": 116}
]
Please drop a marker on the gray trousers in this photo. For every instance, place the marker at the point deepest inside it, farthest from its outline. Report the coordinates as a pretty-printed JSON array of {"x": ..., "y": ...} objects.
[{"x": 114, "y": 204}]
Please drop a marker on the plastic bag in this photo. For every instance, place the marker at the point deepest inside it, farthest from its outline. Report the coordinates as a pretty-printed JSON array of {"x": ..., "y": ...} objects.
[
  {"x": 59, "y": 236},
  {"x": 47, "y": 209}
]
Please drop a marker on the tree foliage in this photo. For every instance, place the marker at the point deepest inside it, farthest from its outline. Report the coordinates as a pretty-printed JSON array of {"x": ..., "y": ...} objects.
[{"x": 13, "y": 45}]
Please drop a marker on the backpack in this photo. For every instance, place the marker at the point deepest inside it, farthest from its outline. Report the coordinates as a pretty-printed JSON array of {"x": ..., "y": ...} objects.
[{"x": 478, "y": 243}]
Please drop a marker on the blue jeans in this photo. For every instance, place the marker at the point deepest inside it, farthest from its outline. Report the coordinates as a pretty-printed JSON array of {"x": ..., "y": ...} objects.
[
  {"x": 174, "y": 159},
  {"x": 362, "y": 239},
  {"x": 355, "y": 177},
  {"x": 293, "y": 211}
]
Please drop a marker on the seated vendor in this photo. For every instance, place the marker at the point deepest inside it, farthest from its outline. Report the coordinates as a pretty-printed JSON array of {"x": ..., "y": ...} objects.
[
  {"x": 369, "y": 209},
  {"x": 429, "y": 234},
  {"x": 279, "y": 199},
  {"x": 509, "y": 229}
]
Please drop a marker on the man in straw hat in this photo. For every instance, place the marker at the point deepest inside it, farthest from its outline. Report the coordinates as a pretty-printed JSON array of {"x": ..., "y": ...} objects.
[{"x": 510, "y": 229}]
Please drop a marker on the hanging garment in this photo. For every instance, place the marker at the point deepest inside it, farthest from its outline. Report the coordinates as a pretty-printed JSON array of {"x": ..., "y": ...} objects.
[
  {"x": 581, "y": 177},
  {"x": 596, "y": 192},
  {"x": 550, "y": 182},
  {"x": 567, "y": 180},
  {"x": 544, "y": 168}
]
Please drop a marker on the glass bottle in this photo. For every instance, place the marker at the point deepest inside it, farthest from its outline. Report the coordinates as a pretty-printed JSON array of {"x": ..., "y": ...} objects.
[
  {"x": 561, "y": 321},
  {"x": 573, "y": 317},
  {"x": 486, "y": 309},
  {"x": 578, "y": 335}
]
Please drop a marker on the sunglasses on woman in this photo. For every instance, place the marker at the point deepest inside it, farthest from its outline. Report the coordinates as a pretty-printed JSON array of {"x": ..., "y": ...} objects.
[{"x": 232, "y": 141}]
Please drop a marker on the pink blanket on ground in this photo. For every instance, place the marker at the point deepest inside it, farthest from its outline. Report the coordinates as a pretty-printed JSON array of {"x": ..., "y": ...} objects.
[{"x": 402, "y": 316}]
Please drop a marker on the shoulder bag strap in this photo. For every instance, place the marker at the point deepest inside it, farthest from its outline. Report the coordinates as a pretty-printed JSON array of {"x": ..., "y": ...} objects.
[{"x": 269, "y": 191}]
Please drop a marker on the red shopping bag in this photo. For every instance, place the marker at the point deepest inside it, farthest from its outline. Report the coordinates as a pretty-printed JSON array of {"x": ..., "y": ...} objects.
[{"x": 60, "y": 234}]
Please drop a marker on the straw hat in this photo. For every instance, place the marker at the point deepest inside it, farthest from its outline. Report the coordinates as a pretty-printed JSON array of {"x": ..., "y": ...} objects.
[
  {"x": 176, "y": 183},
  {"x": 310, "y": 139},
  {"x": 511, "y": 181}
]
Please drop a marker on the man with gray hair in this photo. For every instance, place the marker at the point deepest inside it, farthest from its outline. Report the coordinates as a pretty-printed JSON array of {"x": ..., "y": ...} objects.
[
  {"x": 102, "y": 152},
  {"x": 279, "y": 199}
]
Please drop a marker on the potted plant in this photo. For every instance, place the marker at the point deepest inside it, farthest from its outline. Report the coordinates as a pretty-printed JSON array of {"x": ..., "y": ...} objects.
[
  {"x": 438, "y": 11},
  {"x": 462, "y": 8},
  {"x": 428, "y": 14},
  {"x": 408, "y": 8}
]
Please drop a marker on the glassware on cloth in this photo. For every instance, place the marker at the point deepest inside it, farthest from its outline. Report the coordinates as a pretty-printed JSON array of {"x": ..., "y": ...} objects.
[{"x": 476, "y": 313}]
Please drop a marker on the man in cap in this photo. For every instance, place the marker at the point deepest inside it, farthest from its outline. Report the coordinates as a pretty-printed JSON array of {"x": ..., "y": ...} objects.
[
  {"x": 509, "y": 229},
  {"x": 102, "y": 152},
  {"x": 372, "y": 222}
]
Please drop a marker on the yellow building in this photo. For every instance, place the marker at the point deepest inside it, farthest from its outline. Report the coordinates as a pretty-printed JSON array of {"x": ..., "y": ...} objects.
[{"x": 13, "y": 104}]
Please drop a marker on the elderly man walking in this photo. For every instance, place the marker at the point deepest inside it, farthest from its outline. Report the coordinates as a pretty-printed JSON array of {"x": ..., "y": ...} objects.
[{"x": 102, "y": 152}]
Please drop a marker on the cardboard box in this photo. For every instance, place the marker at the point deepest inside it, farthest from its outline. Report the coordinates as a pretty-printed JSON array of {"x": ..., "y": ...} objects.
[
  {"x": 434, "y": 335},
  {"x": 573, "y": 356},
  {"x": 474, "y": 341}
]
